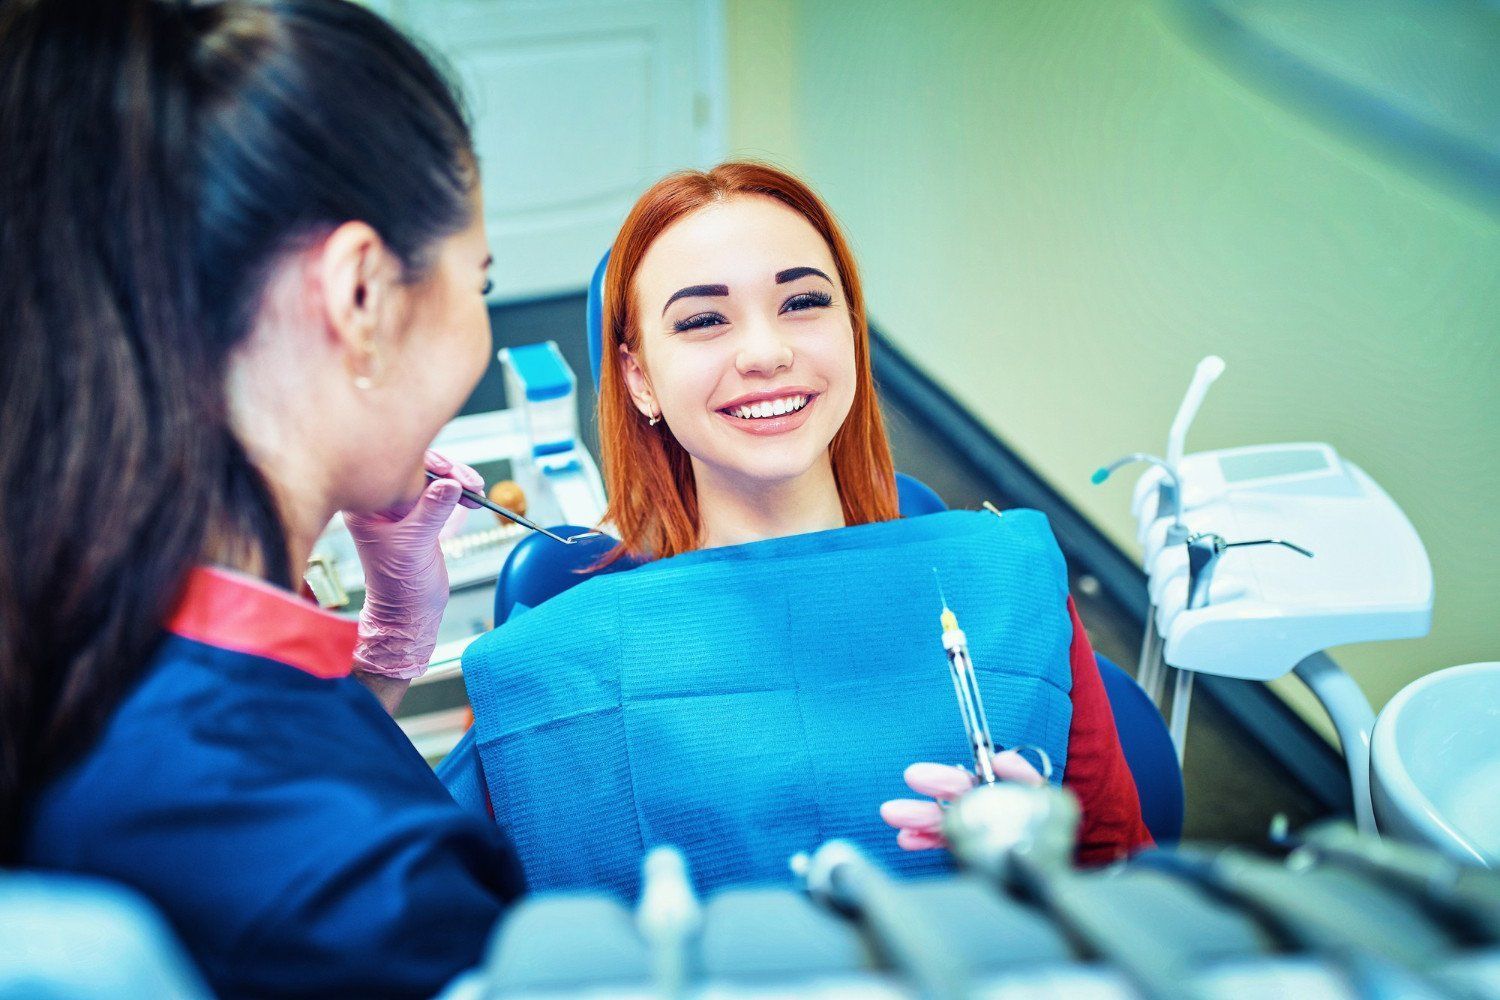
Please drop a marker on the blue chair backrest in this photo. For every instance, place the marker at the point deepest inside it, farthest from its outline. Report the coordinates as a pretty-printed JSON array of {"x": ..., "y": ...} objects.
[
  {"x": 1149, "y": 752},
  {"x": 595, "y": 314},
  {"x": 539, "y": 568}
]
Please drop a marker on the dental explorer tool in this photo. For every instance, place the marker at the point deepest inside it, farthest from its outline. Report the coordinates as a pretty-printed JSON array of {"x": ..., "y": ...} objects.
[
  {"x": 966, "y": 688},
  {"x": 511, "y": 515},
  {"x": 1204, "y": 550},
  {"x": 841, "y": 878}
]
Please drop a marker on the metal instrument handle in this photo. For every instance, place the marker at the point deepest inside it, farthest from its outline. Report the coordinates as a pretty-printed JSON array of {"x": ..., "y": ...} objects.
[{"x": 509, "y": 514}]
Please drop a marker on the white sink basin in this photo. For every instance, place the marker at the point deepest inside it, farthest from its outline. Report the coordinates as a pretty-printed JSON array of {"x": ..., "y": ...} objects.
[{"x": 1435, "y": 763}]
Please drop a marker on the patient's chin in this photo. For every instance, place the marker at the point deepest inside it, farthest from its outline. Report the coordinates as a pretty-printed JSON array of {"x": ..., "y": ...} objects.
[{"x": 769, "y": 469}]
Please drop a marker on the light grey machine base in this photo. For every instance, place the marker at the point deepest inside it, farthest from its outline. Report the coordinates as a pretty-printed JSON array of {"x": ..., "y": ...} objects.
[{"x": 1340, "y": 916}]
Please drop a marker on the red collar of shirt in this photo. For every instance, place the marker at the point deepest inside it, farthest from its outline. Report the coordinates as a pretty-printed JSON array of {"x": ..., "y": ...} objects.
[{"x": 230, "y": 610}]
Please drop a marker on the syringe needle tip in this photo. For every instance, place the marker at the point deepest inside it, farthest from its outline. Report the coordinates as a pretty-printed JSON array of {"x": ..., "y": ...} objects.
[{"x": 939, "y": 580}]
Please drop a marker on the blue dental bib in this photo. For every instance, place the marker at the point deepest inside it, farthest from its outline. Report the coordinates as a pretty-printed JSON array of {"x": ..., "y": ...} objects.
[{"x": 749, "y": 702}]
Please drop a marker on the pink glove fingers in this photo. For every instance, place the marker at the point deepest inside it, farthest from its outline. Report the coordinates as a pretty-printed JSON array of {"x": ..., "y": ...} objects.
[
  {"x": 913, "y": 814},
  {"x": 913, "y": 840},
  {"x": 941, "y": 781},
  {"x": 406, "y": 580},
  {"x": 1011, "y": 766},
  {"x": 436, "y": 503},
  {"x": 919, "y": 823},
  {"x": 462, "y": 474}
]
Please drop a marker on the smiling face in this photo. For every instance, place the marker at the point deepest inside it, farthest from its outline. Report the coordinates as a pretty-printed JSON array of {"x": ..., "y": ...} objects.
[{"x": 746, "y": 347}]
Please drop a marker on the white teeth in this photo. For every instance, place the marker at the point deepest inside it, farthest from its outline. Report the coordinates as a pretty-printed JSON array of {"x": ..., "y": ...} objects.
[{"x": 769, "y": 408}]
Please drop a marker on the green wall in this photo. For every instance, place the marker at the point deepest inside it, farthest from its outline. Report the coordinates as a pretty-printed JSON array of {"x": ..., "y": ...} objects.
[{"x": 1060, "y": 206}]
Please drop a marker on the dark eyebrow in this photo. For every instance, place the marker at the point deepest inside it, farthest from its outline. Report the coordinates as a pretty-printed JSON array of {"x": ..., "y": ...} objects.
[
  {"x": 793, "y": 273},
  {"x": 488, "y": 261},
  {"x": 693, "y": 291}
]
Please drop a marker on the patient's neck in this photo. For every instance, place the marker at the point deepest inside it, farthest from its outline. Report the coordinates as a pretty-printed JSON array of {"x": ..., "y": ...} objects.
[{"x": 733, "y": 511}]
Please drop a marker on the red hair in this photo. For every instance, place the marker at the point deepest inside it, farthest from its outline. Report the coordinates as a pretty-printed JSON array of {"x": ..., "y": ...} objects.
[{"x": 653, "y": 497}]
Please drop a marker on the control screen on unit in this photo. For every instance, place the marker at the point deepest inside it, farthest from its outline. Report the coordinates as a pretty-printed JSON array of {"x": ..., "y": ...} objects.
[{"x": 1268, "y": 464}]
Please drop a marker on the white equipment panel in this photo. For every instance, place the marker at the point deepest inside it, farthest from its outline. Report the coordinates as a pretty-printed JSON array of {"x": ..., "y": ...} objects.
[{"x": 1269, "y": 608}]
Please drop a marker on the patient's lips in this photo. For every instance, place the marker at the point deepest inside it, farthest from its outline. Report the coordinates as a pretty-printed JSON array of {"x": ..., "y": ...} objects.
[{"x": 770, "y": 411}]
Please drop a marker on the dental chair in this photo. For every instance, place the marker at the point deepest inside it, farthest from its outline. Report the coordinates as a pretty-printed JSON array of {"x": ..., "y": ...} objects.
[{"x": 538, "y": 568}]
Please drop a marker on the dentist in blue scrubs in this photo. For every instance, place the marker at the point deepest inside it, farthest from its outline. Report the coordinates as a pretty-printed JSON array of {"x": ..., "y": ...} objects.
[{"x": 242, "y": 276}]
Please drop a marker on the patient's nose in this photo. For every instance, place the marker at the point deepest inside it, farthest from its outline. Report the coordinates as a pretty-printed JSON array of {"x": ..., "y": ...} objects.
[{"x": 763, "y": 350}]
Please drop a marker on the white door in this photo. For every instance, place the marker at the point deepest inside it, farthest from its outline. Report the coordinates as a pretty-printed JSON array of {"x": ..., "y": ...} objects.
[{"x": 578, "y": 105}]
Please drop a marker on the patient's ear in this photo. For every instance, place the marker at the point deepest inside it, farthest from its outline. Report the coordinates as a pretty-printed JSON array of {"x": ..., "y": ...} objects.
[{"x": 639, "y": 385}]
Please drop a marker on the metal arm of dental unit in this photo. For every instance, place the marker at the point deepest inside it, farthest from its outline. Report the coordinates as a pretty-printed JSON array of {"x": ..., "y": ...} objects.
[{"x": 1270, "y": 609}]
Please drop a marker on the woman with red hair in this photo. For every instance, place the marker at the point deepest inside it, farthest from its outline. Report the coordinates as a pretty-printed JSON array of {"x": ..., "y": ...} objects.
[
  {"x": 780, "y": 326},
  {"x": 740, "y": 431}
]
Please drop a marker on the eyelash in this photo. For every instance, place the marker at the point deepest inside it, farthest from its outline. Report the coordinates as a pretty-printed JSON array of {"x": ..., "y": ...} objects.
[
  {"x": 489, "y": 286},
  {"x": 797, "y": 303},
  {"x": 807, "y": 300},
  {"x": 699, "y": 322}
]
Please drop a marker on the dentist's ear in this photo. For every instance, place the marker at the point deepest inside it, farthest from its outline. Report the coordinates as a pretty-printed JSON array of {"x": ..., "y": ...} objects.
[
  {"x": 639, "y": 385},
  {"x": 356, "y": 274}
]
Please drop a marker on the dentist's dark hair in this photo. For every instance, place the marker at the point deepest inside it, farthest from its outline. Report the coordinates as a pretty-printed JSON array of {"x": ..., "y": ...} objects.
[{"x": 156, "y": 161}]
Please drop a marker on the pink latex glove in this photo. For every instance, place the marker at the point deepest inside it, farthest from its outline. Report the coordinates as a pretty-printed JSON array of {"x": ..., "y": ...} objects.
[
  {"x": 920, "y": 821},
  {"x": 406, "y": 580}
]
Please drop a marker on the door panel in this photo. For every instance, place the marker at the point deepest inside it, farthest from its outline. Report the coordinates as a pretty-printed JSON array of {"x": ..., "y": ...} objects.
[{"x": 578, "y": 105}]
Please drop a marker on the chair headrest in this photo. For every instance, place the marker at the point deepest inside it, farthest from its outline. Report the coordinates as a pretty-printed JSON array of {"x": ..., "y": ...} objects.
[
  {"x": 596, "y": 318},
  {"x": 539, "y": 568}
]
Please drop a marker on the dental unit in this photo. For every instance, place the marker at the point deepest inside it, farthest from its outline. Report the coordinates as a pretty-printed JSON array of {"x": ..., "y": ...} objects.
[{"x": 1276, "y": 608}]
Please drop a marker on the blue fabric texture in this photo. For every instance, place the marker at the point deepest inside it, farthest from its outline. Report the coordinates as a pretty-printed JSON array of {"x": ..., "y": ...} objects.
[
  {"x": 749, "y": 702},
  {"x": 288, "y": 831}
]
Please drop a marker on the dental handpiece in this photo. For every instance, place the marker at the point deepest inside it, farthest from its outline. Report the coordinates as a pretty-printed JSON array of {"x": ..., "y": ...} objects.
[
  {"x": 841, "y": 878},
  {"x": 1023, "y": 838},
  {"x": 511, "y": 515},
  {"x": 1467, "y": 897},
  {"x": 1293, "y": 916},
  {"x": 670, "y": 918}
]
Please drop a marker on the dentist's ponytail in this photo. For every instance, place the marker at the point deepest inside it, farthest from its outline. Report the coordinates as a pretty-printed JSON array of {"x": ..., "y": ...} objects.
[{"x": 158, "y": 158}]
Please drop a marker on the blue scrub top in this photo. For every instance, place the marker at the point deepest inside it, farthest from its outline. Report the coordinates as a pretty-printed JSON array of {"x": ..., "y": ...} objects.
[{"x": 274, "y": 812}]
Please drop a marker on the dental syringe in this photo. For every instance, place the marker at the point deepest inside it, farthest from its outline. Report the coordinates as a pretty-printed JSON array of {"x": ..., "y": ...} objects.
[{"x": 966, "y": 688}]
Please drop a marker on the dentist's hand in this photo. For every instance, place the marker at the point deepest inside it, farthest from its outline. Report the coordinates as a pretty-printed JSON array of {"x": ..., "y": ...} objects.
[
  {"x": 406, "y": 581},
  {"x": 920, "y": 821}
]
